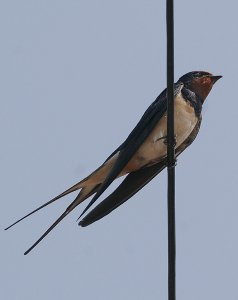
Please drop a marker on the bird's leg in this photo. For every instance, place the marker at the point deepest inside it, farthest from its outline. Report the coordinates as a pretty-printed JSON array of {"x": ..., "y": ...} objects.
[
  {"x": 166, "y": 140},
  {"x": 174, "y": 144},
  {"x": 161, "y": 138}
]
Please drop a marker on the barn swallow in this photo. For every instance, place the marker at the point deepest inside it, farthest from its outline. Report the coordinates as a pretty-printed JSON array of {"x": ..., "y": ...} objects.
[{"x": 143, "y": 154}]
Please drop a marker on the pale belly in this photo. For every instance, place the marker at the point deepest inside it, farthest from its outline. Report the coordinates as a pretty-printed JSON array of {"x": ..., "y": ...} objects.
[{"x": 154, "y": 148}]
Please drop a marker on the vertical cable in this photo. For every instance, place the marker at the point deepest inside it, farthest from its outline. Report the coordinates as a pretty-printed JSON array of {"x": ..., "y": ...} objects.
[{"x": 171, "y": 152}]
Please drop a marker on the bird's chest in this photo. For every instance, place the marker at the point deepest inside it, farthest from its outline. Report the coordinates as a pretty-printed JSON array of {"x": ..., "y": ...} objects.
[{"x": 154, "y": 147}]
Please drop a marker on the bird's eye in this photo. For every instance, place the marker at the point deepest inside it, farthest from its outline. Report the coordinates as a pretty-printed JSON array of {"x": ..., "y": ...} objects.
[
  {"x": 201, "y": 75},
  {"x": 198, "y": 75}
]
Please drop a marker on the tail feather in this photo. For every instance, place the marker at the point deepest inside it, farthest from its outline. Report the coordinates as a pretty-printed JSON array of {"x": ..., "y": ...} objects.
[
  {"x": 83, "y": 195},
  {"x": 47, "y": 231},
  {"x": 92, "y": 180},
  {"x": 129, "y": 187},
  {"x": 68, "y": 191}
]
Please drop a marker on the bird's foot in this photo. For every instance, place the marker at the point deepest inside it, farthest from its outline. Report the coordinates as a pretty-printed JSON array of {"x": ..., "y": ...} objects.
[{"x": 166, "y": 140}]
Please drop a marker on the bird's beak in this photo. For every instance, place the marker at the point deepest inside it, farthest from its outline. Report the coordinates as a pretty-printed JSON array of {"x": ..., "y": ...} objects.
[{"x": 215, "y": 78}]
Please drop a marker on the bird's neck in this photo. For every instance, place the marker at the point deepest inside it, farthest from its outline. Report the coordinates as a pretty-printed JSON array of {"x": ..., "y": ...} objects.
[
  {"x": 194, "y": 100},
  {"x": 201, "y": 87}
]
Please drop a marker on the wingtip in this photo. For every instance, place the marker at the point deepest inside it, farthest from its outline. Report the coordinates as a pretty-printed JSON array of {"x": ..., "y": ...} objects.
[
  {"x": 80, "y": 223},
  {"x": 86, "y": 221}
]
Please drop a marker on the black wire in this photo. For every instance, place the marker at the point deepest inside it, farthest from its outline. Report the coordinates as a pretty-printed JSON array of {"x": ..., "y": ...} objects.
[{"x": 171, "y": 153}]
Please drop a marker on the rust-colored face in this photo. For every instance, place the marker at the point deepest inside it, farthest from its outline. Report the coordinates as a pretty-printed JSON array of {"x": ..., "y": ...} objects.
[{"x": 202, "y": 86}]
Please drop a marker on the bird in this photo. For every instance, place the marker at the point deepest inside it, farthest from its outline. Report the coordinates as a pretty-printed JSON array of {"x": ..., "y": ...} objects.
[{"x": 143, "y": 154}]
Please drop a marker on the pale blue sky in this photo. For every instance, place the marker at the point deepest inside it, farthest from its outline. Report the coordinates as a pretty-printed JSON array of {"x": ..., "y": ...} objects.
[{"x": 75, "y": 78}]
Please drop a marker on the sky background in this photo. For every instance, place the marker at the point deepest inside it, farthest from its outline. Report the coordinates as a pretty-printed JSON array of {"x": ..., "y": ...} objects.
[{"x": 76, "y": 76}]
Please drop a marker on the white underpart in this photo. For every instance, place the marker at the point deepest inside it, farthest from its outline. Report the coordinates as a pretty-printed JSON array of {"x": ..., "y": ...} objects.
[{"x": 154, "y": 148}]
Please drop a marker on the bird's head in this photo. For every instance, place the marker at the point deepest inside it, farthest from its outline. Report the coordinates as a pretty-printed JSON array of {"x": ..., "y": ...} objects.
[{"x": 199, "y": 82}]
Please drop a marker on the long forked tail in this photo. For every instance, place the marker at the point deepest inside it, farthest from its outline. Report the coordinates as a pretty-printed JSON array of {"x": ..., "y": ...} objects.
[
  {"x": 83, "y": 195},
  {"x": 68, "y": 191},
  {"x": 92, "y": 180}
]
